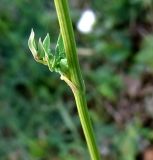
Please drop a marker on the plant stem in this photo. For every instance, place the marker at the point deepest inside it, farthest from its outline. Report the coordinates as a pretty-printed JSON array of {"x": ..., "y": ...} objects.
[{"x": 75, "y": 75}]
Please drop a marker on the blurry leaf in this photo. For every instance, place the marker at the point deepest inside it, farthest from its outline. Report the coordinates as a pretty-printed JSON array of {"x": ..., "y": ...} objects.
[
  {"x": 108, "y": 83},
  {"x": 127, "y": 142},
  {"x": 107, "y": 92},
  {"x": 37, "y": 149},
  {"x": 145, "y": 55}
]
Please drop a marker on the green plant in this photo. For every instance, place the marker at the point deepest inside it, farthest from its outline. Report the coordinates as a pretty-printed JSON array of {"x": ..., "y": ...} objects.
[{"x": 65, "y": 62}]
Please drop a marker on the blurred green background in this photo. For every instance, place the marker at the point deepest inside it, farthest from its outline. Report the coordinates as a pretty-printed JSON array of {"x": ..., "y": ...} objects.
[{"x": 38, "y": 116}]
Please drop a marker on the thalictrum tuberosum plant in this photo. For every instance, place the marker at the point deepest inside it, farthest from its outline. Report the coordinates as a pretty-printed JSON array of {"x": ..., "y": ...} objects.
[{"x": 65, "y": 62}]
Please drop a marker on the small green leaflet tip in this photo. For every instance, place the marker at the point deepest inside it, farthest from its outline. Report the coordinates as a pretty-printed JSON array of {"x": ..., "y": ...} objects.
[
  {"x": 32, "y": 44},
  {"x": 46, "y": 43}
]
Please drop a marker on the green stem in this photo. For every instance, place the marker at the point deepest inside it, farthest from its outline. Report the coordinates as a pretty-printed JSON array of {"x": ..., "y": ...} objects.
[{"x": 75, "y": 75}]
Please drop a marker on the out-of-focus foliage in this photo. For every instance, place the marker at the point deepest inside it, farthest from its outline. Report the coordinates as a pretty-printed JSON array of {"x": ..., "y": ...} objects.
[{"x": 38, "y": 117}]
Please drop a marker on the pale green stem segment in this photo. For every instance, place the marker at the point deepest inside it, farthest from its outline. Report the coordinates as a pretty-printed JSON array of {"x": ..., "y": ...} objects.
[{"x": 75, "y": 80}]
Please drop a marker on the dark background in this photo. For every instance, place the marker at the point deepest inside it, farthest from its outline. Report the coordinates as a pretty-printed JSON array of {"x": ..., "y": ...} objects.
[{"x": 38, "y": 116}]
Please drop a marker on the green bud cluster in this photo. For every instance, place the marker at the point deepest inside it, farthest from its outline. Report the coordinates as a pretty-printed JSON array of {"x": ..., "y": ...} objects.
[{"x": 42, "y": 53}]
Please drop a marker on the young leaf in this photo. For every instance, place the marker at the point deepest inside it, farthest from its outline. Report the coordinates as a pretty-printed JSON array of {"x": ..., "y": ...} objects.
[
  {"x": 64, "y": 67},
  {"x": 41, "y": 53},
  {"x": 32, "y": 44},
  {"x": 60, "y": 45},
  {"x": 59, "y": 53},
  {"x": 46, "y": 43}
]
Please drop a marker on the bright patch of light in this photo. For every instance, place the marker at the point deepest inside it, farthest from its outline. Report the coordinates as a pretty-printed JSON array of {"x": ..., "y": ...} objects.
[{"x": 86, "y": 22}]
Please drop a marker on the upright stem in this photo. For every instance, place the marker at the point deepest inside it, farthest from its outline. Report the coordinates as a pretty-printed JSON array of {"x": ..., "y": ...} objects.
[{"x": 75, "y": 74}]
